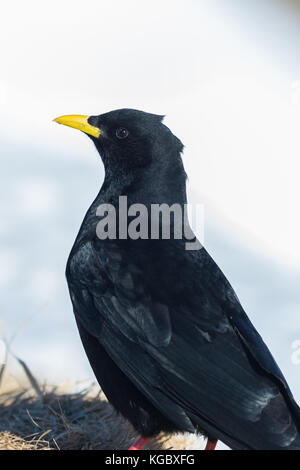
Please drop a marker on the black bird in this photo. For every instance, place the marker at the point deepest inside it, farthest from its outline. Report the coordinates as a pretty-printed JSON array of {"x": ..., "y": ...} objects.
[{"x": 165, "y": 333}]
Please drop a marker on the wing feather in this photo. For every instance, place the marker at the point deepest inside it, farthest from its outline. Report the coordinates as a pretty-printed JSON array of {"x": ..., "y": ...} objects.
[{"x": 193, "y": 359}]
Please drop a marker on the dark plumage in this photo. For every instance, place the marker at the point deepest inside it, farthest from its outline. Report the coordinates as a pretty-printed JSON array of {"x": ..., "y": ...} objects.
[{"x": 165, "y": 333}]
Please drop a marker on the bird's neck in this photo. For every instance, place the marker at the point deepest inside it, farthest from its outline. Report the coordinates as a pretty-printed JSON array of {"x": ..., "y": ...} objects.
[
  {"x": 155, "y": 191},
  {"x": 165, "y": 184}
]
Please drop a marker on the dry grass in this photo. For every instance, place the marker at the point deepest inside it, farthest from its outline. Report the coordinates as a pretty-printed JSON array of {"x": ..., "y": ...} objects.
[{"x": 42, "y": 417}]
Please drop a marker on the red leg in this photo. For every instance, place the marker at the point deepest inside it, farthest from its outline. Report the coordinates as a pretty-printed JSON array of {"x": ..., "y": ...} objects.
[
  {"x": 211, "y": 445},
  {"x": 139, "y": 443}
]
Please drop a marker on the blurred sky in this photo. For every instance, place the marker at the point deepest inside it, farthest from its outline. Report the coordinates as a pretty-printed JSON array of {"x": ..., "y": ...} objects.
[{"x": 226, "y": 74}]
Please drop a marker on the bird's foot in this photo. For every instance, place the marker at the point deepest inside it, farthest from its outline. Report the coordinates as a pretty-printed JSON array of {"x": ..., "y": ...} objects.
[
  {"x": 139, "y": 443},
  {"x": 142, "y": 441},
  {"x": 211, "y": 445}
]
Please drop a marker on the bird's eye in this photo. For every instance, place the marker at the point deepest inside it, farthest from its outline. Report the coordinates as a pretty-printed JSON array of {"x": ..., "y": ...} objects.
[{"x": 122, "y": 133}]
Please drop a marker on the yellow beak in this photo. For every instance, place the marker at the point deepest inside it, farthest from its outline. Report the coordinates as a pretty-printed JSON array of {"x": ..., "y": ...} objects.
[{"x": 79, "y": 122}]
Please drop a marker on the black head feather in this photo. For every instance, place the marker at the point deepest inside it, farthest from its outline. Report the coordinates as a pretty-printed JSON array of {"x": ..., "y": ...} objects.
[{"x": 137, "y": 148}]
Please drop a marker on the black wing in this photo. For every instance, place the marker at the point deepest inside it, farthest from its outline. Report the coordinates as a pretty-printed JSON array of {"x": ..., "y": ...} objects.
[{"x": 176, "y": 329}]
